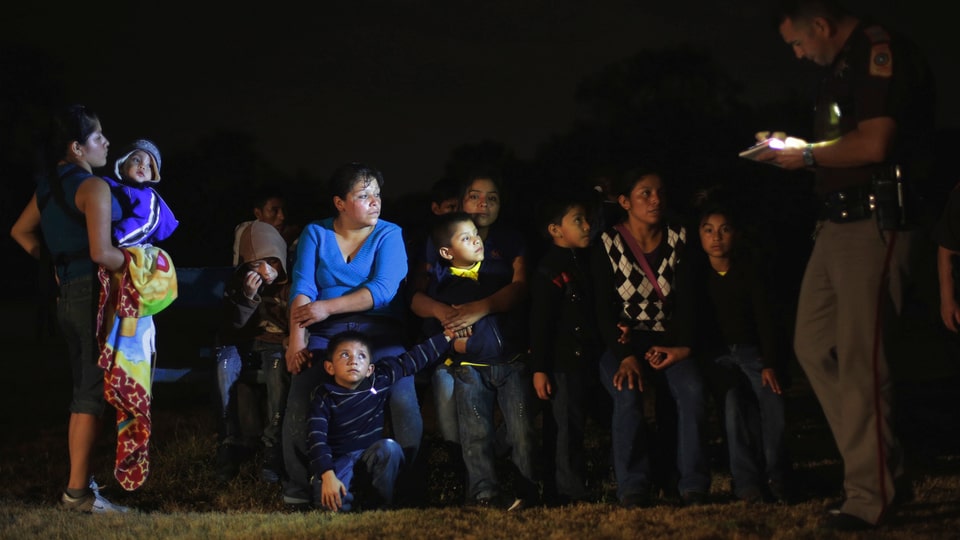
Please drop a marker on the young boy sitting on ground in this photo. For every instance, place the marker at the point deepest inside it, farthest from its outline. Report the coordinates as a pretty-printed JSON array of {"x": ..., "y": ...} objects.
[{"x": 346, "y": 420}]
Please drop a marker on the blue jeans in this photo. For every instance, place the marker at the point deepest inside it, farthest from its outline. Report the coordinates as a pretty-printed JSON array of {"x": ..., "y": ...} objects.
[
  {"x": 745, "y": 467},
  {"x": 77, "y": 315},
  {"x": 386, "y": 336},
  {"x": 445, "y": 403},
  {"x": 381, "y": 467},
  {"x": 631, "y": 445},
  {"x": 266, "y": 360},
  {"x": 478, "y": 389}
]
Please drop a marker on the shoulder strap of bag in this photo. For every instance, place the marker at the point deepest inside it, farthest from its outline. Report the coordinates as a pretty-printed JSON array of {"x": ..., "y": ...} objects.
[{"x": 641, "y": 259}]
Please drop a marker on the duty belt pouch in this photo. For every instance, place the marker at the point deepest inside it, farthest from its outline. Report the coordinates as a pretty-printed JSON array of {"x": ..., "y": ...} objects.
[
  {"x": 890, "y": 199},
  {"x": 848, "y": 205}
]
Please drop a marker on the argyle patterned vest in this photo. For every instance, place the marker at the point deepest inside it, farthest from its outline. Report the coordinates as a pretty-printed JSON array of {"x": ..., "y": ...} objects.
[{"x": 641, "y": 305}]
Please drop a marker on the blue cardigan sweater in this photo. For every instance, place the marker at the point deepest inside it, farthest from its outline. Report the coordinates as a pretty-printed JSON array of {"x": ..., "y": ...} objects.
[{"x": 320, "y": 272}]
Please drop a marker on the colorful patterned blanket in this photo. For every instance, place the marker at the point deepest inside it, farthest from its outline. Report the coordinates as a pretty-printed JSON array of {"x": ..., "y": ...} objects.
[{"x": 129, "y": 298}]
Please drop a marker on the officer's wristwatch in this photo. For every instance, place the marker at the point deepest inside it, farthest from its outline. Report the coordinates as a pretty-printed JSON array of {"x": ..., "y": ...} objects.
[{"x": 808, "y": 159}]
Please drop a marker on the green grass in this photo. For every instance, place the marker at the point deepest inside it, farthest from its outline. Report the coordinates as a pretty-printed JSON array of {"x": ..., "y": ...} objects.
[{"x": 182, "y": 499}]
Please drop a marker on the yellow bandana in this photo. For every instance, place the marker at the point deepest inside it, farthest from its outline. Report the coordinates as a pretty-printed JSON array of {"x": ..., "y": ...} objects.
[{"x": 472, "y": 272}]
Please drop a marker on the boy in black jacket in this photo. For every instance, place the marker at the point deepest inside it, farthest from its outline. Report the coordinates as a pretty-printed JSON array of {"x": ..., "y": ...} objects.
[{"x": 564, "y": 343}]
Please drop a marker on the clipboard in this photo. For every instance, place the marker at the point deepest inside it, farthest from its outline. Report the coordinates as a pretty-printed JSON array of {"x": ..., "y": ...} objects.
[{"x": 761, "y": 147}]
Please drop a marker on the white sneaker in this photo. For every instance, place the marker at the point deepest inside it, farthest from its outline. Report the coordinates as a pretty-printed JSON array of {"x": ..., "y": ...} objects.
[
  {"x": 92, "y": 502},
  {"x": 101, "y": 505}
]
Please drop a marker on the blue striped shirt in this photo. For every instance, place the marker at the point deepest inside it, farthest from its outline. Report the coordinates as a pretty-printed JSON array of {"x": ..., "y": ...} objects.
[{"x": 343, "y": 420}]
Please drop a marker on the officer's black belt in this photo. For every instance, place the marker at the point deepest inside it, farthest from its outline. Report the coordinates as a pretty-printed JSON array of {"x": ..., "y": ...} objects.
[{"x": 849, "y": 204}]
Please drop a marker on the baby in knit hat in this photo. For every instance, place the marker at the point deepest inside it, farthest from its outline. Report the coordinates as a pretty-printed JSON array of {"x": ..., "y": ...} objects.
[{"x": 145, "y": 217}]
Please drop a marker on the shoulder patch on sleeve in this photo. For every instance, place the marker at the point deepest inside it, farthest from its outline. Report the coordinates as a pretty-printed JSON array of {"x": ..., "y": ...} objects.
[{"x": 881, "y": 62}]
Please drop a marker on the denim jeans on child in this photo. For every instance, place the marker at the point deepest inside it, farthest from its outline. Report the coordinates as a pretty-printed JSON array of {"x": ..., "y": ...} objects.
[
  {"x": 631, "y": 445},
  {"x": 403, "y": 407},
  {"x": 444, "y": 402},
  {"x": 478, "y": 389},
  {"x": 381, "y": 467},
  {"x": 745, "y": 468},
  {"x": 264, "y": 360}
]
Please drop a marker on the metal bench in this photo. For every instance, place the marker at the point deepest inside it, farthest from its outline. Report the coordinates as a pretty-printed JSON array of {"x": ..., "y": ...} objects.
[{"x": 186, "y": 331}]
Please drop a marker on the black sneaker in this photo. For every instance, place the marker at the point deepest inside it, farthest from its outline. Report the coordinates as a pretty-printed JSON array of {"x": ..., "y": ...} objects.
[
  {"x": 272, "y": 464},
  {"x": 778, "y": 491},
  {"x": 229, "y": 458}
]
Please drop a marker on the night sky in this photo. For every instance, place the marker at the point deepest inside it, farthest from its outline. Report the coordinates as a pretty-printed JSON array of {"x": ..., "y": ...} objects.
[{"x": 399, "y": 83}]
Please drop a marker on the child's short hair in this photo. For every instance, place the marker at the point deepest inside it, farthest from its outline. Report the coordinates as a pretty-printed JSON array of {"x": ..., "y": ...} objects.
[
  {"x": 346, "y": 336},
  {"x": 552, "y": 209},
  {"x": 443, "y": 226},
  {"x": 263, "y": 195},
  {"x": 711, "y": 208},
  {"x": 719, "y": 201}
]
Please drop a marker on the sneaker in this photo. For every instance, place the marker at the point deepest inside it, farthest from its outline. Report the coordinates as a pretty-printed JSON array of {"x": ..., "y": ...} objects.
[
  {"x": 229, "y": 458},
  {"x": 78, "y": 504},
  {"x": 101, "y": 505},
  {"x": 296, "y": 504},
  {"x": 778, "y": 491},
  {"x": 91, "y": 503},
  {"x": 272, "y": 464}
]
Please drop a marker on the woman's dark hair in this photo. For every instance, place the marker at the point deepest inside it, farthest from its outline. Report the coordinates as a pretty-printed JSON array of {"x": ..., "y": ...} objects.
[
  {"x": 480, "y": 173},
  {"x": 624, "y": 184},
  {"x": 73, "y": 123},
  {"x": 348, "y": 175},
  {"x": 444, "y": 190}
]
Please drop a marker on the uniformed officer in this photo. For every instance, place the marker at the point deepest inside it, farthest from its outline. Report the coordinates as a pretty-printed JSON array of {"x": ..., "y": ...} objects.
[{"x": 873, "y": 115}]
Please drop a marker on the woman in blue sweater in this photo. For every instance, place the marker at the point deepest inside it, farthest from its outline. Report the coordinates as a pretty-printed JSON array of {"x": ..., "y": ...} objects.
[{"x": 346, "y": 277}]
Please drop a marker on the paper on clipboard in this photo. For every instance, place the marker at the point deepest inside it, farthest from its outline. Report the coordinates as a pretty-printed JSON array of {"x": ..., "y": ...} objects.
[{"x": 761, "y": 147}]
